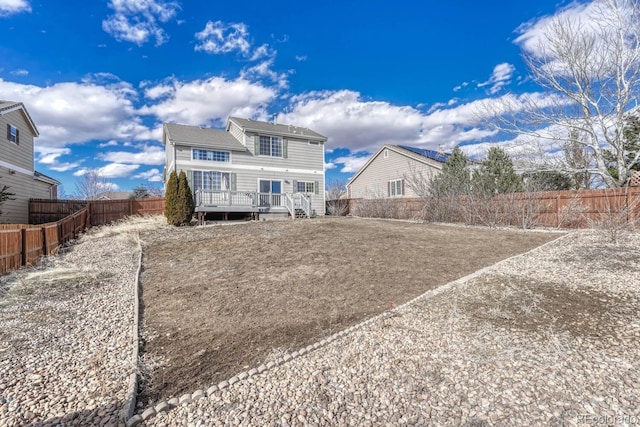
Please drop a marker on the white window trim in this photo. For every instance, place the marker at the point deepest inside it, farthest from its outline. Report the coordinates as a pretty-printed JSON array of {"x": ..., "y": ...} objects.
[
  {"x": 271, "y": 180},
  {"x": 281, "y": 156},
  {"x": 14, "y": 136},
  {"x": 213, "y": 171},
  {"x": 386, "y": 153},
  {"x": 393, "y": 184},
  {"x": 313, "y": 185},
  {"x": 193, "y": 149}
]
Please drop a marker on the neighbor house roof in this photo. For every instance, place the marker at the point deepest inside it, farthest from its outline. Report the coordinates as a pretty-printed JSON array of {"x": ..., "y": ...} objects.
[
  {"x": 438, "y": 156},
  {"x": 42, "y": 177},
  {"x": 202, "y": 136},
  {"x": 428, "y": 157},
  {"x": 278, "y": 129},
  {"x": 9, "y": 106}
]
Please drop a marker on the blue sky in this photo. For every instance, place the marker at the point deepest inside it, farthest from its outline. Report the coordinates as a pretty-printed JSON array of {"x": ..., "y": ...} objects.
[{"x": 100, "y": 77}]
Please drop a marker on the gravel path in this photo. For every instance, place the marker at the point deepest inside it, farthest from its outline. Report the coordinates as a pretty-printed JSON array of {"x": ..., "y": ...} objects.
[
  {"x": 546, "y": 338},
  {"x": 65, "y": 334}
]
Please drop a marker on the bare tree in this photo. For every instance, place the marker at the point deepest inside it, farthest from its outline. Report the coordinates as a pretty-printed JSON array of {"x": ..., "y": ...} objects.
[
  {"x": 578, "y": 157},
  {"x": 337, "y": 203},
  {"x": 91, "y": 183},
  {"x": 589, "y": 66}
]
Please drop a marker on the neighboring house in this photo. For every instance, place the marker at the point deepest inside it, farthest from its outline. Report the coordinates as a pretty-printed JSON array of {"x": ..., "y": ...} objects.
[
  {"x": 387, "y": 172},
  {"x": 16, "y": 164},
  {"x": 250, "y": 167},
  {"x": 112, "y": 195}
]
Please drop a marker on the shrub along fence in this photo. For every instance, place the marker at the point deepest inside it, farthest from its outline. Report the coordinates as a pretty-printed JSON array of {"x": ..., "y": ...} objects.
[
  {"x": 567, "y": 209},
  {"x": 24, "y": 244}
]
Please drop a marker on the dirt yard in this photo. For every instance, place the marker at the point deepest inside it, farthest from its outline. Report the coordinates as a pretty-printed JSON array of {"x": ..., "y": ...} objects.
[{"x": 219, "y": 300}]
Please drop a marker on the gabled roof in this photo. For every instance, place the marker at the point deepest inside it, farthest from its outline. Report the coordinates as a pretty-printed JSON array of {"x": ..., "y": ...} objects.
[
  {"x": 9, "y": 106},
  {"x": 205, "y": 137},
  {"x": 428, "y": 157},
  {"x": 276, "y": 129},
  {"x": 438, "y": 156}
]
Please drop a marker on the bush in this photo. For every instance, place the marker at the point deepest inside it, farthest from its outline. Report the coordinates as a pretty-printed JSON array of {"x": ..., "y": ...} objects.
[
  {"x": 185, "y": 199},
  {"x": 171, "y": 206}
]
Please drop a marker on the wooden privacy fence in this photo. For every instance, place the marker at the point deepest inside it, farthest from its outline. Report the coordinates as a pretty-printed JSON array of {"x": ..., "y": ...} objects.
[
  {"x": 568, "y": 209},
  {"x": 23, "y": 245},
  {"x": 101, "y": 211}
]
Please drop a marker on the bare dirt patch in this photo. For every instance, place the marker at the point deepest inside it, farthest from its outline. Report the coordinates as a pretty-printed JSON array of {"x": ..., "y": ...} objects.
[{"x": 218, "y": 300}]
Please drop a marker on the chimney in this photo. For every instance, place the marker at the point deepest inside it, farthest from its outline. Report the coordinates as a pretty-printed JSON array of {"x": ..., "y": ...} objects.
[{"x": 275, "y": 118}]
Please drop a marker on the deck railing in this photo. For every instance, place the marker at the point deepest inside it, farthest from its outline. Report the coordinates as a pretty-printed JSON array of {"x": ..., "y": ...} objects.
[{"x": 238, "y": 198}]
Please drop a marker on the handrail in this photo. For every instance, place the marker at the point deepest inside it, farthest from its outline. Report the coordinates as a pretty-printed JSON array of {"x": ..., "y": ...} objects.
[{"x": 290, "y": 205}]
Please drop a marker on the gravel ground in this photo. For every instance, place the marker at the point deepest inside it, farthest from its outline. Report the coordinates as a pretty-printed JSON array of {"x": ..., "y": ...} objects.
[
  {"x": 65, "y": 334},
  {"x": 546, "y": 338}
]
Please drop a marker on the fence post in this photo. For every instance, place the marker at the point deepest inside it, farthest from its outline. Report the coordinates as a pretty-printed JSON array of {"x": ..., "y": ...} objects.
[
  {"x": 44, "y": 240},
  {"x": 88, "y": 214},
  {"x": 23, "y": 232},
  {"x": 130, "y": 207}
]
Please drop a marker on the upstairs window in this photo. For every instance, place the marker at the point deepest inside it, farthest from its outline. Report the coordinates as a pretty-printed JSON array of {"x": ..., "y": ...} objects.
[
  {"x": 396, "y": 188},
  {"x": 270, "y": 146},
  {"x": 211, "y": 155},
  {"x": 13, "y": 134}
]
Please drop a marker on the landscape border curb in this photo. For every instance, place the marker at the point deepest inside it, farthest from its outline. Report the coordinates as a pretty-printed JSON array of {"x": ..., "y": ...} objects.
[
  {"x": 130, "y": 401},
  {"x": 168, "y": 405}
]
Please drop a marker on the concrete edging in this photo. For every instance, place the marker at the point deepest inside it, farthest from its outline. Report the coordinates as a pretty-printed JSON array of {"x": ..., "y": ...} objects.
[
  {"x": 166, "y": 406},
  {"x": 130, "y": 401}
]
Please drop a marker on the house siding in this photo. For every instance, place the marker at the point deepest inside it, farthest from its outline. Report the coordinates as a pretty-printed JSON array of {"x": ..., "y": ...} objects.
[
  {"x": 373, "y": 181},
  {"x": 263, "y": 168},
  {"x": 25, "y": 187},
  {"x": 236, "y": 132},
  {"x": 20, "y": 155}
]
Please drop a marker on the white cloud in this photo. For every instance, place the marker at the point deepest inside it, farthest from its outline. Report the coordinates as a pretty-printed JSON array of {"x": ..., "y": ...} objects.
[
  {"x": 501, "y": 76},
  {"x": 150, "y": 155},
  {"x": 210, "y": 101},
  {"x": 20, "y": 72},
  {"x": 263, "y": 70},
  {"x": 351, "y": 163},
  {"x": 106, "y": 112},
  {"x": 111, "y": 143},
  {"x": 218, "y": 37},
  {"x": 599, "y": 28},
  {"x": 152, "y": 175},
  {"x": 460, "y": 86},
  {"x": 50, "y": 157},
  {"x": 301, "y": 58},
  {"x": 137, "y": 21},
  {"x": 361, "y": 125},
  {"x": 329, "y": 165},
  {"x": 112, "y": 170},
  {"x": 438, "y": 105},
  {"x": 11, "y": 7}
]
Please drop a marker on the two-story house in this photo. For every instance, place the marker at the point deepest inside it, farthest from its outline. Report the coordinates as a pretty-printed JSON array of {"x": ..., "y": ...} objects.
[
  {"x": 388, "y": 171},
  {"x": 16, "y": 164},
  {"x": 251, "y": 167}
]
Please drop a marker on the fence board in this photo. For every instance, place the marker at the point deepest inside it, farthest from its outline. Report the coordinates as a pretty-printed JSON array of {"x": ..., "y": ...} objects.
[
  {"x": 10, "y": 250},
  {"x": 42, "y": 211},
  {"x": 32, "y": 244},
  {"x": 51, "y": 241}
]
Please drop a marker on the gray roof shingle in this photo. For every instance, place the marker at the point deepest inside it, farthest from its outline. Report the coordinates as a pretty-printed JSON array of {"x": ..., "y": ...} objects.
[
  {"x": 279, "y": 129},
  {"x": 195, "y": 135}
]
